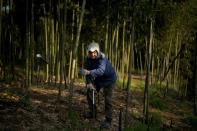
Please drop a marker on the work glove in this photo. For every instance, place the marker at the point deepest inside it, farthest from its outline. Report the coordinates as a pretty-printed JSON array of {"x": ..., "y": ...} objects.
[
  {"x": 85, "y": 72},
  {"x": 90, "y": 86}
]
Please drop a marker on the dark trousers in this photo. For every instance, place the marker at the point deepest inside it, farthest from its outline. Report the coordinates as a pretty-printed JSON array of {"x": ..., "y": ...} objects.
[{"x": 108, "y": 91}]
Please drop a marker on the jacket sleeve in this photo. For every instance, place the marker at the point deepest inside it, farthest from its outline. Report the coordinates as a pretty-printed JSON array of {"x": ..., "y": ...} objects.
[
  {"x": 89, "y": 78},
  {"x": 100, "y": 70}
]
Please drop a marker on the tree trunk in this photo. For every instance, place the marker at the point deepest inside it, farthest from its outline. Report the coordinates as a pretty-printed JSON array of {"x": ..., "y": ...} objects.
[
  {"x": 27, "y": 48},
  {"x": 131, "y": 43},
  {"x": 71, "y": 52},
  {"x": 116, "y": 48},
  {"x": 64, "y": 41},
  {"x": 176, "y": 62},
  {"x": 152, "y": 65},
  {"x": 75, "y": 50},
  {"x": 195, "y": 87},
  {"x": 32, "y": 42},
  {"x": 172, "y": 63},
  {"x": 158, "y": 73},
  {"x": 50, "y": 49},
  {"x": 73, "y": 25},
  {"x": 107, "y": 31},
  {"x": 61, "y": 50},
  {"x": 141, "y": 67},
  {"x": 112, "y": 56},
  {"x": 70, "y": 67},
  {"x": 78, "y": 36},
  {"x": 46, "y": 47},
  {"x": 12, "y": 45},
  {"x": 56, "y": 67},
  {"x": 136, "y": 58},
  {"x": 129, "y": 72},
  {"x": 123, "y": 51},
  {"x": 27, "y": 73},
  {"x": 167, "y": 65},
  {"x": 149, "y": 56},
  {"x": 1, "y": 4}
]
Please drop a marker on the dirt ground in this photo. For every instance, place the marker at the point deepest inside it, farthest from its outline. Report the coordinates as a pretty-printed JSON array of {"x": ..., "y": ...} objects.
[{"x": 45, "y": 112}]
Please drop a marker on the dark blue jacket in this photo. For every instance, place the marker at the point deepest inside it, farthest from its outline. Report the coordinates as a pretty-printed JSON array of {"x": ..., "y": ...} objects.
[{"x": 102, "y": 74}]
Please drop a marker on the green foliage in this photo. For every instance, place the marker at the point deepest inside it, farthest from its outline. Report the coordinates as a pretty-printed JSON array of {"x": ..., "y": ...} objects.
[
  {"x": 157, "y": 103},
  {"x": 154, "y": 90},
  {"x": 25, "y": 100},
  {"x": 155, "y": 99},
  {"x": 136, "y": 114},
  {"x": 119, "y": 84},
  {"x": 139, "y": 126},
  {"x": 8, "y": 79},
  {"x": 73, "y": 120},
  {"x": 73, "y": 123},
  {"x": 156, "y": 119},
  {"x": 136, "y": 85},
  {"x": 192, "y": 121}
]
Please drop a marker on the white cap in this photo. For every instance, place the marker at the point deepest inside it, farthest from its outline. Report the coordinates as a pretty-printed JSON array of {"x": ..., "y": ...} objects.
[{"x": 94, "y": 47}]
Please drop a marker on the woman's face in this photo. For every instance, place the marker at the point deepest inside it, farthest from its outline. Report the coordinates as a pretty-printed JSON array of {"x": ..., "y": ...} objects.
[{"x": 92, "y": 55}]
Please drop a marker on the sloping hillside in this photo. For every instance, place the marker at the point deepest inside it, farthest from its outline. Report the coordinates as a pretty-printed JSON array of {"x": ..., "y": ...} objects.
[{"x": 44, "y": 112}]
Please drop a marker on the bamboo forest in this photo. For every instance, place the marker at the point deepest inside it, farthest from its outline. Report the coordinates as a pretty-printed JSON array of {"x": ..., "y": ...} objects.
[{"x": 150, "y": 44}]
